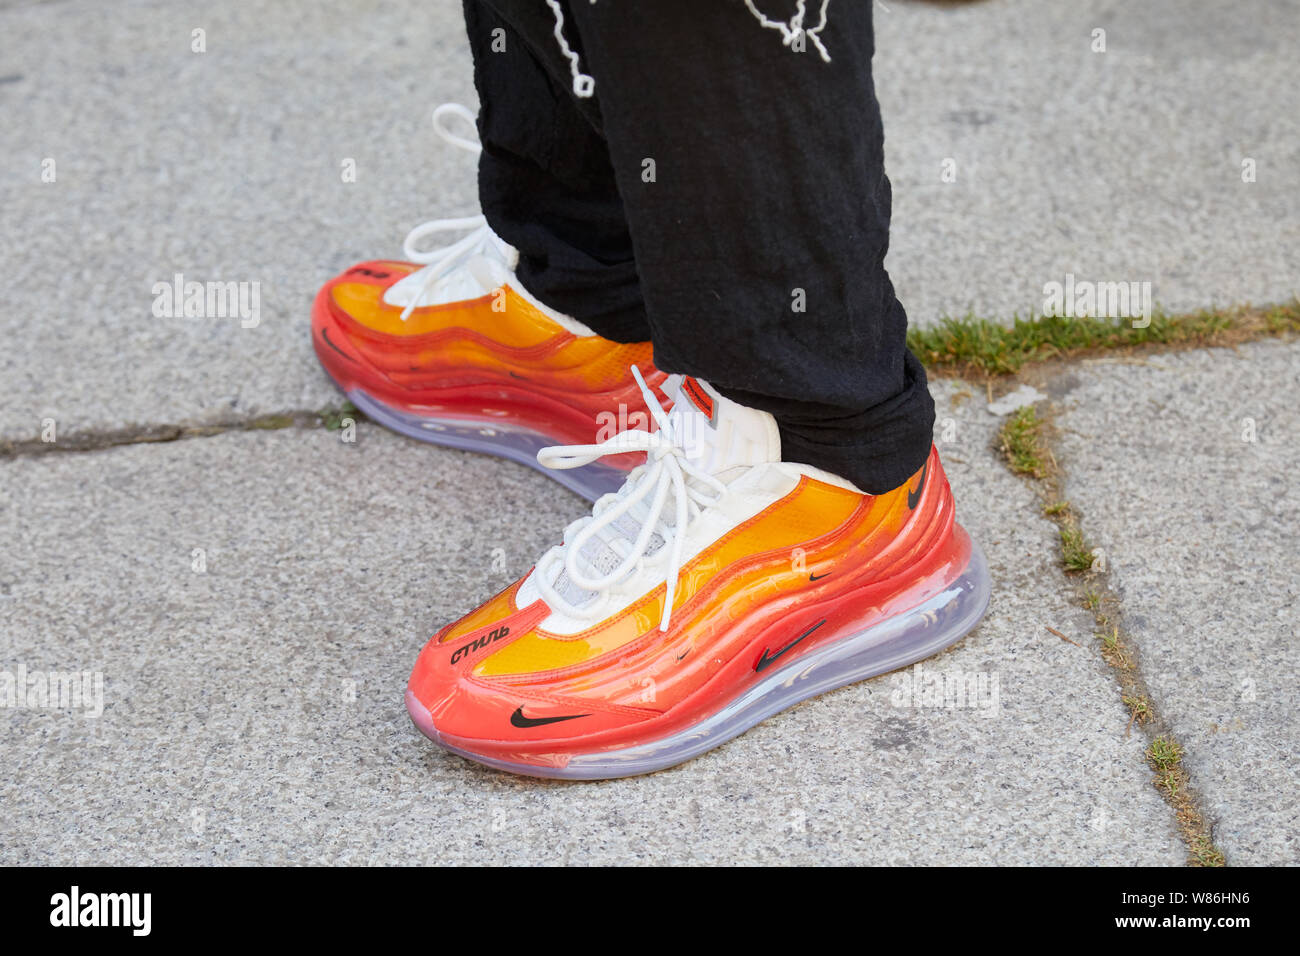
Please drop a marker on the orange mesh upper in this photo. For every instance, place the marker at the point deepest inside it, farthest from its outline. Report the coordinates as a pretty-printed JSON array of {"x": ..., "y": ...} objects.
[{"x": 811, "y": 510}]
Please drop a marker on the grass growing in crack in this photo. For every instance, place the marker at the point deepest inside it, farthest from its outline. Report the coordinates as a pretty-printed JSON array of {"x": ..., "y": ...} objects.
[
  {"x": 1164, "y": 753},
  {"x": 1024, "y": 443},
  {"x": 1205, "y": 853},
  {"x": 332, "y": 418},
  {"x": 1166, "y": 757},
  {"x": 1075, "y": 553},
  {"x": 973, "y": 345},
  {"x": 1114, "y": 651},
  {"x": 155, "y": 434},
  {"x": 1139, "y": 710},
  {"x": 1021, "y": 439},
  {"x": 271, "y": 422}
]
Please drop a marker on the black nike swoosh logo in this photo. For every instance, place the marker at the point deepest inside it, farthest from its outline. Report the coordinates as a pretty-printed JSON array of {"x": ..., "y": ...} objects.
[
  {"x": 519, "y": 720},
  {"x": 325, "y": 334},
  {"x": 818, "y": 577},
  {"x": 914, "y": 497},
  {"x": 765, "y": 661}
]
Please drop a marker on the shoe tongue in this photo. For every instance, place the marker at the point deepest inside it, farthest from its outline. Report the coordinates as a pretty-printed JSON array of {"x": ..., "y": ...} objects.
[
  {"x": 722, "y": 438},
  {"x": 719, "y": 434},
  {"x": 477, "y": 272}
]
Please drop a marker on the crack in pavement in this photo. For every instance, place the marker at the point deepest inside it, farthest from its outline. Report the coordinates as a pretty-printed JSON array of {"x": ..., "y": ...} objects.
[
  {"x": 1091, "y": 590},
  {"x": 88, "y": 441}
]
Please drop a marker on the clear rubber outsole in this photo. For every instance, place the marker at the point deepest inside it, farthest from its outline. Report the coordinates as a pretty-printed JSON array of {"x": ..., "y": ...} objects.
[
  {"x": 899, "y": 641},
  {"x": 504, "y": 440}
]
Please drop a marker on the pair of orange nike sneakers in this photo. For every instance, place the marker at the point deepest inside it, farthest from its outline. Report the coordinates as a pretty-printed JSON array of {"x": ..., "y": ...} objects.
[{"x": 711, "y": 585}]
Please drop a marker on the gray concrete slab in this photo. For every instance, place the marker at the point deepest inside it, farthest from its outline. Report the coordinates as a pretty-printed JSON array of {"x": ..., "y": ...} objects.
[
  {"x": 253, "y": 712},
  {"x": 1123, "y": 165},
  {"x": 226, "y": 165},
  {"x": 1183, "y": 467}
]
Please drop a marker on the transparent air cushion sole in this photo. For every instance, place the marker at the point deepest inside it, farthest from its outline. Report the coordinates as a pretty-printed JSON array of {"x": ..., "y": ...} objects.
[{"x": 503, "y": 439}]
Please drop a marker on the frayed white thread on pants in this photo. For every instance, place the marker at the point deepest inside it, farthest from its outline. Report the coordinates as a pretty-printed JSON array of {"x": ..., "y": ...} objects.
[
  {"x": 795, "y": 27},
  {"x": 583, "y": 84}
]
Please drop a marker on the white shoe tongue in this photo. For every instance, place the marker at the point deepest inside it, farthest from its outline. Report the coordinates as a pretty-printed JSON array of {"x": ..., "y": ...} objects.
[
  {"x": 722, "y": 439},
  {"x": 719, "y": 434},
  {"x": 479, "y": 271}
]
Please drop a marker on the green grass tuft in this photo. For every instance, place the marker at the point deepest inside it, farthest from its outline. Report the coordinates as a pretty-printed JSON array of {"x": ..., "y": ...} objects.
[
  {"x": 332, "y": 418},
  {"x": 1021, "y": 440},
  {"x": 971, "y": 343},
  {"x": 1075, "y": 553}
]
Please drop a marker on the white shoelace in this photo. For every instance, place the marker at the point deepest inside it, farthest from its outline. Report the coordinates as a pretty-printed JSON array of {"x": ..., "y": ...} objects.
[
  {"x": 479, "y": 240},
  {"x": 667, "y": 470}
]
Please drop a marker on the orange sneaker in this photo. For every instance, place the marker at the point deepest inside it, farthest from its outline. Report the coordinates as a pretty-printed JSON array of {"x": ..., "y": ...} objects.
[
  {"x": 449, "y": 348},
  {"x": 718, "y": 586}
]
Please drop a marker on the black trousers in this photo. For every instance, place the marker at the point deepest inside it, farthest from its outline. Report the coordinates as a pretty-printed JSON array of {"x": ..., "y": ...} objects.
[{"x": 721, "y": 194}]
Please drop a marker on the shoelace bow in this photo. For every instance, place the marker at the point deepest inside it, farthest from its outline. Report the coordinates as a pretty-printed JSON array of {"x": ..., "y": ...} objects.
[
  {"x": 666, "y": 471},
  {"x": 479, "y": 240}
]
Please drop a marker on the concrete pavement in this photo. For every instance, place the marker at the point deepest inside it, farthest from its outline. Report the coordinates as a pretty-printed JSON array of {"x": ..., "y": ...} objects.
[
  {"x": 253, "y": 600},
  {"x": 253, "y": 709},
  {"x": 1183, "y": 467}
]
